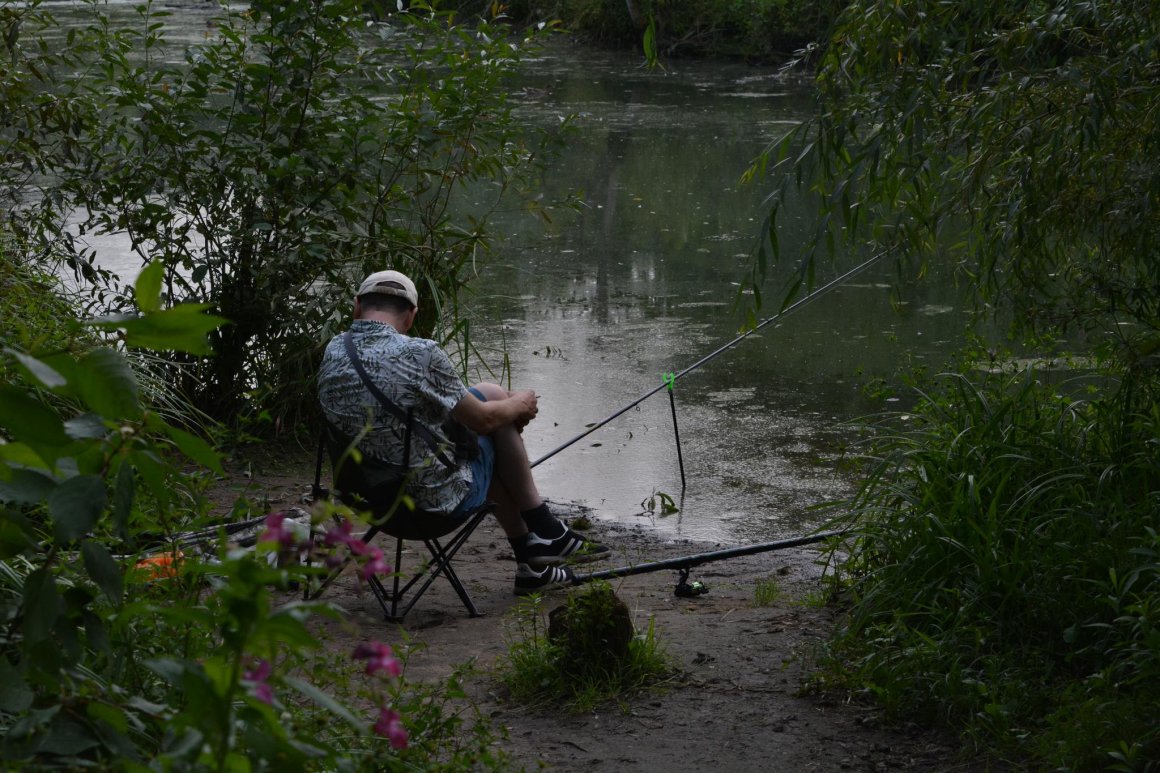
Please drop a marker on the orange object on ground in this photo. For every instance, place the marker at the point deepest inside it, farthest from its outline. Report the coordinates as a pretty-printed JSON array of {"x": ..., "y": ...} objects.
[{"x": 163, "y": 566}]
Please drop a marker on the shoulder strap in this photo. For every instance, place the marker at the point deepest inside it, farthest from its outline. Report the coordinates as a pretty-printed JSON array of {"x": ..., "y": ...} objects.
[{"x": 391, "y": 407}]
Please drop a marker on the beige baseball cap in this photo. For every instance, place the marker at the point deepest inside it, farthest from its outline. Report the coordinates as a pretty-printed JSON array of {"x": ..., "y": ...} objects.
[{"x": 390, "y": 283}]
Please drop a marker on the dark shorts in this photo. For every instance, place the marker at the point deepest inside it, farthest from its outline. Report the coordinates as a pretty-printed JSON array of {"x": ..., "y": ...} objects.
[{"x": 481, "y": 472}]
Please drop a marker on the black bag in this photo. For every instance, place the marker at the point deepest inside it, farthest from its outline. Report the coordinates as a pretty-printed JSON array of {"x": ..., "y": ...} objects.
[{"x": 366, "y": 482}]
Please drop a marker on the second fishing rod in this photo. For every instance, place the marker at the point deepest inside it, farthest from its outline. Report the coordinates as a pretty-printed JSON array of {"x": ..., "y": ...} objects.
[{"x": 670, "y": 379}]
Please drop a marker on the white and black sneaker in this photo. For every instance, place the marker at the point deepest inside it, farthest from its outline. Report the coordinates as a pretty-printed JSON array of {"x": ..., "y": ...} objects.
[
  {"x": 539, "y": 552},
  {"x": 529, "y": 580}
]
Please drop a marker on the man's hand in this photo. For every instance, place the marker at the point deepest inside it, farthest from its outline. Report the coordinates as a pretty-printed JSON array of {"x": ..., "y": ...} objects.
[
  {"x": 517, "y": 409},
  {"x": 528, "y": 407}
]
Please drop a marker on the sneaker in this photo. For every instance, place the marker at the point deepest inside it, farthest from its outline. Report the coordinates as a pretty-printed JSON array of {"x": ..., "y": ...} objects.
[
  {"x": 569, "y": 546},
  {"x": 528, "y": 580}
]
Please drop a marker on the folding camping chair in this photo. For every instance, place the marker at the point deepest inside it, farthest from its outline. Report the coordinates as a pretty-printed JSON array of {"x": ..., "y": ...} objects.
[{"x": 370, "y": 484}]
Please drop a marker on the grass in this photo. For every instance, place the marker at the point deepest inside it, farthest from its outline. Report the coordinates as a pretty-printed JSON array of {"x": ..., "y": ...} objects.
[
  {"x": 766, "y": 592},
  {"x": 585, "y": 656},
  {"x": 1005, "y": 573}
]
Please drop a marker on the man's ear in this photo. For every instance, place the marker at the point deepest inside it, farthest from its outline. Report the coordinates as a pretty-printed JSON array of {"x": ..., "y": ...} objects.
[
  {"x": 412, "y": 315},
  {"x": 357, "y": 308}
]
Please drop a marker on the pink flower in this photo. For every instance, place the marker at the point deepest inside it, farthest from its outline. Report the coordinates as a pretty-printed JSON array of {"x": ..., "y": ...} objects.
[
  {"x": 341, "y": 534},
  {"x": 257, "y": 677},
  {"x": 379, "y": 658},
  {"x": 376, "y": 565},
  {"x": 390, "y": 725},
  {"x": 276, "y": 531}
]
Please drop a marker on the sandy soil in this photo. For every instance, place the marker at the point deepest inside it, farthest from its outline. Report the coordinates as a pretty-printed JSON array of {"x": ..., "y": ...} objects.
[{"x": 736, "y": 703}]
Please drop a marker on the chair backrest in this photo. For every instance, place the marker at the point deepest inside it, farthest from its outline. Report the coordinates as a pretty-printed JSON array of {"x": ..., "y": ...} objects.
[{"x": 362, "y": 481}]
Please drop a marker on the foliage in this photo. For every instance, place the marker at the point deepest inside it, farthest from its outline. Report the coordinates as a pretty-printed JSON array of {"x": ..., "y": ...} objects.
[
  {"x": 766, "y": 592},
  {"x": 576, "y": 668},
  {"x": 1005, "y": 571},
  {"x": 185, "y": 661},
  {"x": 756, "y": 30},
  {"x": 1013, "y": 140},
  {"x": 35, "y": 311},
  {"x": 297, "y": 149},
  {"x": 659, "y": 502}
]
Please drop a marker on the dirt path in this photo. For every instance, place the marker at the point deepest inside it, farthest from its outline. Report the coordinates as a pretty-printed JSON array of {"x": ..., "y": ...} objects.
[{"x": 736, "y": 706}]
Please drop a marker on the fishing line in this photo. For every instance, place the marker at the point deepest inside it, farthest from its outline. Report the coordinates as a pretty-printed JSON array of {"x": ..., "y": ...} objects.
[{"x": 667, "y": 382}]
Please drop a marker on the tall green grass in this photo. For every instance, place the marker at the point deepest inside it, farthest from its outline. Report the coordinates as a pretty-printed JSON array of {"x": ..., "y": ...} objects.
[{"x": 1005, "y": 575}]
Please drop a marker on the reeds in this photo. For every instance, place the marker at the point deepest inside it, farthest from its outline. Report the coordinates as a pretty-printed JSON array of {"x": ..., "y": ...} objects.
[{"x": 1004, "y": 570}]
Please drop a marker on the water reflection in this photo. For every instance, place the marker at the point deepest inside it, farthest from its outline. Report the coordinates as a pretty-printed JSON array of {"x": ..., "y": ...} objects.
[{"x": 595, "y": 307}]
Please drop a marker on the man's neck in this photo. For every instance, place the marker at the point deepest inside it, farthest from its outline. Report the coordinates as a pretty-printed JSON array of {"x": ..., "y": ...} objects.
[{"x": 394, "y": 320}]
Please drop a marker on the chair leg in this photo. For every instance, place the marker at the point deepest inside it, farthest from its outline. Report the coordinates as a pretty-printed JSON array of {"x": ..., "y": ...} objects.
[
  {"x": 441, "y": 558},
  {"x": 453, "y": 578},
  {"x": 398, "y": 573},
  {"x": 307, "y": 595}
]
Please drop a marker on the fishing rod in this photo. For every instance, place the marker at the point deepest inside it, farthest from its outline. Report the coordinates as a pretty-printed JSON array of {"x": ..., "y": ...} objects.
[
  {"x": 686, "y": 563},
  {"x": 671, "y": 378}
]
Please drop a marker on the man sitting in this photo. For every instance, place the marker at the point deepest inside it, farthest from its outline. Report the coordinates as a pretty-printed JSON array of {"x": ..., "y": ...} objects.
[{"x": 418, "y": 376}]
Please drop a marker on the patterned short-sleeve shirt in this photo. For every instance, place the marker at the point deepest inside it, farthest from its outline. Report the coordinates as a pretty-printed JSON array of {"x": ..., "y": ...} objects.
[{"x": 417, "y": 375}]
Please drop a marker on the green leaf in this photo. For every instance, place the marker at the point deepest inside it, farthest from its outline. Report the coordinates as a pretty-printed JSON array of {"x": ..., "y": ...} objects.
[
  {"x": 75, "y": 506},
  {"x": 285, "y": 629},
  {"x": 182, "y": 328},
  {"x": 155, "y": 475},
  {"x": 14, "y": 693},
  {"x": 236, "y": 762},
  {"x": 96, "y": 634},
  {"x": 103, "y": 569},
  {"x": 147, "y": 290},
  {"x": 21, "y": 455},
  {"x": 169, "y": 669},
  {"x": 29, "y": 420},
  {"x": 42, "y": 606},
  {"x": 323, "y": 699},
  {"x": 124, "y": 492},
  {"x": 649, "y": 43},
  {"x": 113, "y": 716},
  {"x": 39, "y": 371},
  {"x": 87, "y": 426},
  {"x": 15, "y": 535},
  {"x": 26, "y": 487},
  {"x": 193, "y": 447},
  {"x": 137, "y": 703},
  {"x": 67, "y": 737},
  {"x": 108, "y": 385}
]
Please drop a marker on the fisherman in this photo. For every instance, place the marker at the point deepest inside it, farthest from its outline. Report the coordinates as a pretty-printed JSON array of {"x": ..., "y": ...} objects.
[{"x": 418, "y": 376}]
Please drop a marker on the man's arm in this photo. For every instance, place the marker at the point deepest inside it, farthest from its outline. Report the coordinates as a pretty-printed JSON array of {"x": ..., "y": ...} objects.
[{"x": 486, "y": 417}]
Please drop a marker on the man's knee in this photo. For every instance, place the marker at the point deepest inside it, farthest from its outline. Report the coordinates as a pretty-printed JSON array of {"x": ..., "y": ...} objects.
[{"x": 491, "y": 391}]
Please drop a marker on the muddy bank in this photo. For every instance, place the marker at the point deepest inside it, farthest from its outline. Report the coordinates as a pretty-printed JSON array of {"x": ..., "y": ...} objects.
[{"x": 735, "y": 702}]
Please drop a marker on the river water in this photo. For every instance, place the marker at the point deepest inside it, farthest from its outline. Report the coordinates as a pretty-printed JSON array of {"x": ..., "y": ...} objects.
[
  {"x": 595, "y": 307},
  {"x": 641, "y": 282}
]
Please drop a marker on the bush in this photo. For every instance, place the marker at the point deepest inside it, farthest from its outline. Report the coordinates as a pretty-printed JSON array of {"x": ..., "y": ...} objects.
[
  {"x": 755, "y": 30},
  {"x": 35, "y": 310},
  {"x": 1004, "y": 570},
  {"x": 589, "y": 653},
  {"x": 194, "y": 660},
  {"x": 300, "y": 147}
]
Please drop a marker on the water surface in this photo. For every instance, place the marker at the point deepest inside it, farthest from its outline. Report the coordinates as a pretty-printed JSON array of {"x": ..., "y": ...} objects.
[{"x": 594, "y": 307}]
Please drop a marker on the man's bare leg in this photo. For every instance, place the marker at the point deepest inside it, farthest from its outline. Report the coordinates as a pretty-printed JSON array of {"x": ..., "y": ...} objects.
[
  {"x": 512, "y": 467},
  {"x": 506, "y": 512},
  {"x": 520, "y": 509}
]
